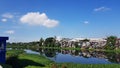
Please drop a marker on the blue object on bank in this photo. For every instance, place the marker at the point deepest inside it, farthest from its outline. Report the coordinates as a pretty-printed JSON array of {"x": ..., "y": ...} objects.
[{"x": 3, "y": 49}]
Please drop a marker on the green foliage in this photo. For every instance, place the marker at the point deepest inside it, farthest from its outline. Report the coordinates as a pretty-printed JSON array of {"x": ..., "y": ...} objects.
[
  {"x": 86, "y": 40},
  {"x": 76, "y": 44},
  {"x": 11, "y": 53},
  {"x": 72, "y": 65},
  {"x": 50, "y": 42},
  {"x": 41, "y": 42},
  {"x": 111, "y": 41},
  {"x": 19, "y": 59},
  {"x": 23, "y": 60},
  {"x": 108, "y": 47},
  {"x": 50, "y": 52}
]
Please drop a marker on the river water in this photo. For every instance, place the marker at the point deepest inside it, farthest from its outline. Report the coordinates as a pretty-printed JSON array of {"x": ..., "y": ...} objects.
[{"x": 78, "y": 56}]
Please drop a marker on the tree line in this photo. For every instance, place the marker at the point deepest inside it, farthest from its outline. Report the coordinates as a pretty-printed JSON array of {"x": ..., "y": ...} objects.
[{"x": 51, "y": 42}]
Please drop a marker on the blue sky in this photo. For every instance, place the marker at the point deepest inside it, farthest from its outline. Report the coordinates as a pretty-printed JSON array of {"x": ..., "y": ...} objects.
[{"x": 29, "y": 20}]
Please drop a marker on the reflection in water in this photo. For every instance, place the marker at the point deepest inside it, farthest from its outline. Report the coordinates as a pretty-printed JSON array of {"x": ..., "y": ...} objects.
[
  {"x": 72, "y": 55},
  {"x": 78, "y": 56},
  {"x": 50, "y": 52},
  {"x": 31, "y": 52}
]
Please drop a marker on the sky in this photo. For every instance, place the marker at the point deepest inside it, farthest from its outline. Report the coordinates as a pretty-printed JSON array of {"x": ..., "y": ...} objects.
[{"x": 29, "y": 20}]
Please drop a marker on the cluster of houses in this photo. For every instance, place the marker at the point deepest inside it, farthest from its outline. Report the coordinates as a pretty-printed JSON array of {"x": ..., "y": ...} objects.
[{"x": 84, "y": 43}]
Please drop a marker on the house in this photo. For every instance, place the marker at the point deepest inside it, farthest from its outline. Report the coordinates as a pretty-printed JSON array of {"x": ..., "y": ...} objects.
[
  {"x": 64, "y": 42},
  {"x": 3, "y": 49},
  {"x": 81, "y": 42},
  {"x": 117, "y": 44},
  {"x": 97, "y": 42}
]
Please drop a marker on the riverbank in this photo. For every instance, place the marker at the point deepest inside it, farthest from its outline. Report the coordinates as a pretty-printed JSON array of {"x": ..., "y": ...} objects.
[
  {"x": 64, "y": 48},
  {"x": 82, "y": 49},
  {"x": 19, "y": 59},
  {"x": 72, "y": 65}
]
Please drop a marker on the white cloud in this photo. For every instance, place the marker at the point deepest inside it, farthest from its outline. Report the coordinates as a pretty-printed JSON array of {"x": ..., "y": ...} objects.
[
  {"x": 4, "y": 20},
  {"x": 10, "y": 32},
  {"x": 39, "y": 19},
  {"x": 101, "y": 9},
  {"x": 7, "y": 15},
  {"x": 86, "y": 22}
]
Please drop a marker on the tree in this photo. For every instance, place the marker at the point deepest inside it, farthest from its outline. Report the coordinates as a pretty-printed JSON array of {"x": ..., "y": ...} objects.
[
  {"x": 76, "y": 44},
  {"x": 111, "y": 41},
  {"x": 41, "y": 42},
  {"x": 50, "y": 42},
  {"x": 86, "y": 40}
]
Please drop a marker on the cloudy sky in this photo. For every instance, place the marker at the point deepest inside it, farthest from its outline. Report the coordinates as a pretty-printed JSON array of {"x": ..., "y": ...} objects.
[{"x": 29, "y": 20}]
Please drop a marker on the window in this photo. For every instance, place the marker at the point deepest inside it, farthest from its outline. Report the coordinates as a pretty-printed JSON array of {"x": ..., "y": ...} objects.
[{"x": 1, "y": 45}]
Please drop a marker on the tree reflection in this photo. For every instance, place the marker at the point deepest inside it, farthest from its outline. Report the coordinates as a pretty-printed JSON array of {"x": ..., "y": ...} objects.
[
  {"x": 113, "y": 57},
  {"x": 50, "y": 52},
  {"x": 109, "y": 56}
]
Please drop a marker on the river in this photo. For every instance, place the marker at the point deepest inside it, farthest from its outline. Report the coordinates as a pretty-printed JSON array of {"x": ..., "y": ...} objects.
[{"x": 78, "y": 56}]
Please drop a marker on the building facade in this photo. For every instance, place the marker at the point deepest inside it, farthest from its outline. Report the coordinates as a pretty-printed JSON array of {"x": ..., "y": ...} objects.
[{"x": 3, "y": 49}]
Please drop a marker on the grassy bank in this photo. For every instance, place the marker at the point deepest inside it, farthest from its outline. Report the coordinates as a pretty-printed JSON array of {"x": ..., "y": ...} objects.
[
  {"x": 19, "y": 59},
  {"x": 72, "y": 65}
]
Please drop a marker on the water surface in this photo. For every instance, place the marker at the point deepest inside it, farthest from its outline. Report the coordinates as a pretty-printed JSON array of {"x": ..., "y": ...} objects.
[{"x": 77, "y": 56}]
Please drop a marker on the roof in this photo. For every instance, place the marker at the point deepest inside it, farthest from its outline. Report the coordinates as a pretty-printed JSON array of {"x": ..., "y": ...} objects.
[{"x": 4, "y": 38}]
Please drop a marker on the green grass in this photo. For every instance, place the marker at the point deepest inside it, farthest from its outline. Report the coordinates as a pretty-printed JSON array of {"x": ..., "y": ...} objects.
[
  {"x": 11, "y": 53},
  {"x": 36, "y": 59},
  {"x": 19, "y": 59},
  {"x": 72, "y": 65},
  {"x": 18, "y": 46}
]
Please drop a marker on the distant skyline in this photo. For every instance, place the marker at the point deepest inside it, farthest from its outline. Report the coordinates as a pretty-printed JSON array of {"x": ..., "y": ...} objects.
[{"x": 29, "y": 20}]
